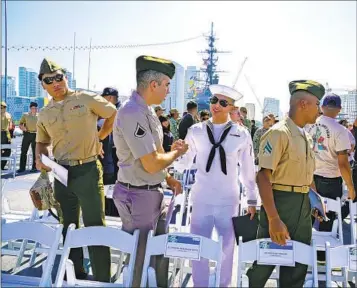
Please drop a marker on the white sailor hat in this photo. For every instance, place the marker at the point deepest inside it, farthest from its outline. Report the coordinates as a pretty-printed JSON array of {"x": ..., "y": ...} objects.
[{"x": 228, "y": 92}]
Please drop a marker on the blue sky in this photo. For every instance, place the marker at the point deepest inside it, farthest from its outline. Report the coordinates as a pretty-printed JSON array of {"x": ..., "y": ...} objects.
[{"x": 283, "y": 40}]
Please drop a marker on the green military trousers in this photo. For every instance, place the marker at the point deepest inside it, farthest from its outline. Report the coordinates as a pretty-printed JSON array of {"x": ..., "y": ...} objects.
[
  {"x": 294, "y": 210},
  {"x": 27, "y": 140},
  {"x": 85, "y": 191}
]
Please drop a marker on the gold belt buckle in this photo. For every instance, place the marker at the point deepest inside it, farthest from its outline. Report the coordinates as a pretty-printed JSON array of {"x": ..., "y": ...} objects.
[
  {"x": 305, "y": 188},
  {"x": 80, "y": 162}
]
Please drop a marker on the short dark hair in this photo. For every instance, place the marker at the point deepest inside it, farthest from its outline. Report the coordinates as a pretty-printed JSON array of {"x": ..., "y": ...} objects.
[
  {"x": 191, "y": 105},
  {"x": 253, "y": 122},
  {"x": 204, "y": 113},
  {"x": 33, "y": 104}
]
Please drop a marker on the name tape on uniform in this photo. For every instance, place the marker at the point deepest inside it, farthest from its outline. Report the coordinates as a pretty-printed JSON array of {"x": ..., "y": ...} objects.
[
  {"x": 270, "y": 253},
  {"x": 180, "y": 246}
]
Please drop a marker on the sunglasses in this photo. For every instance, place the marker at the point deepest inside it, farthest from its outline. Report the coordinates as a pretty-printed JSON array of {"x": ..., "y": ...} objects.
[
  {"x": 49, "y": 80},
  {"x": 204, "y": 118},
  {"x": 224, "y": 103}
]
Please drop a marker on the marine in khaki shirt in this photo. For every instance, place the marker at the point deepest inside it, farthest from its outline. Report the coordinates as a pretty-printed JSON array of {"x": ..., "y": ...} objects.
[
  {"x": 28, "y": 124},
  {"x": 286, "y": 166},
  {"x": 5, "y": 133},
  {"x": 69, "y": 123}
]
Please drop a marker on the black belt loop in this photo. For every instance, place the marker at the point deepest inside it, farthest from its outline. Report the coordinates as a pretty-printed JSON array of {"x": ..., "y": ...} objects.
[{"x": 144, "y": 187}]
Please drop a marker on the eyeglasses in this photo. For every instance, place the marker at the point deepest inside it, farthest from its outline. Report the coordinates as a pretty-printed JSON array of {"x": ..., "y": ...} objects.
[
  {"x": 57, "y": 78},
  {"x": 224, "y": 103}
]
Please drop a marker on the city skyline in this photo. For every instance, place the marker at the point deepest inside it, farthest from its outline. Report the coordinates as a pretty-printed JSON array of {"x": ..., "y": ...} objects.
[{"x": 323, "y": 49}]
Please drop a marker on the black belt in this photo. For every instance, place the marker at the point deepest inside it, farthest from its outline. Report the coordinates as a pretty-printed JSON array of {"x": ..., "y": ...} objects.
[
  {"x": 146, "y": 187},
  {"x": 31, "y": 132}
]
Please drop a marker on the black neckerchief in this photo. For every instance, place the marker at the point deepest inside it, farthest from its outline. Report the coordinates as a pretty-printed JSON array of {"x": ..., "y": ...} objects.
[{"x": 222, "y": 153}]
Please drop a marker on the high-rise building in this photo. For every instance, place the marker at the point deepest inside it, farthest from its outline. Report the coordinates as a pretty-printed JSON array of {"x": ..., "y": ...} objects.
[
  {"x": 271, "y": 106},
  {"x": 250, "y": 111},
  {"x": 10, "y": 83},
  {"x": 349, "y": 105},
  {"x": 71, "y": 81},
  {"x": 175, "y": 99},
  {"x": 29, "y": 85}
]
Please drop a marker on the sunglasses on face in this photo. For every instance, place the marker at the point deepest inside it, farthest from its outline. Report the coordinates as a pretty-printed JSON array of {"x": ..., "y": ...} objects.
[
  {"x": 224, "y": 103},
  {"x": 204, "y": 118},
  {"x": 49, "y": 80}
]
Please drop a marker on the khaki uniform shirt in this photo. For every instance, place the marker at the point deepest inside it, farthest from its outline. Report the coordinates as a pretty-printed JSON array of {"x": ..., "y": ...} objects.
[
  {"x": 71, "y": 125},
  {"x": 137, "y": 132},
  {"x": 30, "y": 121},
  {"x": 287, "y": 151},
  {"x": 5, "y": 121}
]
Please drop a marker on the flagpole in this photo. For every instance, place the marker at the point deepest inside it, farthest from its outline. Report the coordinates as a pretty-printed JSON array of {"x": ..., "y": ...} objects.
[
  {"x": 5, "y": 18},
  {"x": 74, "y": 57},
  {"x": 90, "y": 49}
]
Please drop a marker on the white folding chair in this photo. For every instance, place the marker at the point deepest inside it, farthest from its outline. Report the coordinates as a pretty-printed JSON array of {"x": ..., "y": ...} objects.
[
  {"x": 353, "y": 223},
  {"x": 38, "y": 232},
  {"x": 338, "y": 257},
  {"x": 11, "y": 159},
  {"x": 97, "y": 236},
  {"x": 248, "y": 252},
  {"x": 334, "y": 237},
  {"x": 156, "y": 245}
]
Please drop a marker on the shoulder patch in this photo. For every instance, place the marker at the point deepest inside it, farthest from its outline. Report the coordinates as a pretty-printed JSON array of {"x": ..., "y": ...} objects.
[
  {"x": 268, "y": 148},
  {"x": 140, "y": 131}
]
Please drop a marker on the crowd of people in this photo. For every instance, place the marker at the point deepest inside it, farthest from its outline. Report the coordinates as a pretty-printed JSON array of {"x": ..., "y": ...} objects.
[{"x": 101, "y": 141}]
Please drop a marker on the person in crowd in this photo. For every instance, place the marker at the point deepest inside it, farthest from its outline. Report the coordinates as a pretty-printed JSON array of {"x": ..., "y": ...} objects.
[
  {"x": 215, "y": 193},
  {"x": 69, "y": 123},
  {"x": 28, "y": 123},
  {"x": 254, "y": 129},
  {"x": 204, "y": 115},
  {"x": 267, "y": 123},
  {"x": 285, "y": 211},
  {"x": 246, "y": 122},
  {"x": 174, "y": 122},
  {"x": 168, "y": 137},
  {"x": 112, "y": 95},
  {"x": 6, "y": 120},
  {"x": 138, "y": 136},
  {"x": 331, "y": 146},
  {"x": 350, "y": 152},
  {"x": 159, "y": 110},
  {"x": 188, "y": 120}
]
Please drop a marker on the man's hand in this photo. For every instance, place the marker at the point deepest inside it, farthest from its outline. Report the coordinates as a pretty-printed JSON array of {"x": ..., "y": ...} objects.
[
  {"x": 40, "y": 166},
  {"x": 252, "y": 210},
  {"x": 278, "y": 231},
  {"x": 179, "y": 146},
  {"x": 351, "y": 192},
  {"x": 174, "y": 185}
]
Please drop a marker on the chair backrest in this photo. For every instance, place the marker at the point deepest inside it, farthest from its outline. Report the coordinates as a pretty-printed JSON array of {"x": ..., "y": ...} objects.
[
  {"x": 343, "y": 256},
  {"x": 353, "y": 214},
  {"x": 208, "y": 249},
  {"x": 332, "y": 205},
  {"x": 254, "y": 251},
  {"x": 38, "y": 232},
  {"x": 99, "y": 236}
]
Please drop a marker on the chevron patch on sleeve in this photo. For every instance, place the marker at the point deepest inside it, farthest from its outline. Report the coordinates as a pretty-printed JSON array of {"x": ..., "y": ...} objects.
[{"x": 268, "y": 148}]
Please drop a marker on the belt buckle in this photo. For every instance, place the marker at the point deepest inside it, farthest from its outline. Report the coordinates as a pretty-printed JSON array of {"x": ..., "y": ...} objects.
[
  {"x": 80, "y": 162},
  {"x": 305, "y": 188}
]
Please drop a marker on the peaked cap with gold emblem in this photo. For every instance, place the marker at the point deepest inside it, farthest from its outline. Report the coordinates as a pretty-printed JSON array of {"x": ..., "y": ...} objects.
[
  {"x": 310, "y": 86},
  {"x": 48, "y": 67},
  {"x": 144, "y": 63}
]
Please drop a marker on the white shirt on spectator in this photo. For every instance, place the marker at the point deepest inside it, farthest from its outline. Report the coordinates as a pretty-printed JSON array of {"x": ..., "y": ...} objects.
[{"x": 329, "y": 137}]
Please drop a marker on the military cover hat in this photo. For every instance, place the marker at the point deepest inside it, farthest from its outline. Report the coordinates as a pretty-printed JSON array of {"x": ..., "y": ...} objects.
[
  {"x": 310, "y": 86},
  {"x": 145, "y": 63},
  {"x": 48, "y": 67},
  {"x": 159, "y": 108},
  {"x": 3, "y": 104},
  {"x": 226, "y": 91}
]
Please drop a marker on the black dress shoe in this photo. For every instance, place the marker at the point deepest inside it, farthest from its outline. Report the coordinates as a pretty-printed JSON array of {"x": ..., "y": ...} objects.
[
  {"x": 34, "y": 169},
  {"x": 20, "y": 171}
]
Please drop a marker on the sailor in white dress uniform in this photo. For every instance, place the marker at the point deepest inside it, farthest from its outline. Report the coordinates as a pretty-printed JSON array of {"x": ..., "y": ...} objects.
[{"x": 219, "y": 146}]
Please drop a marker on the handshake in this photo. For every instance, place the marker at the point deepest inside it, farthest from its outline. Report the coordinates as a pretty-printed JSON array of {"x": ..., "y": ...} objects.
[{"x": 180, "y": 146}]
